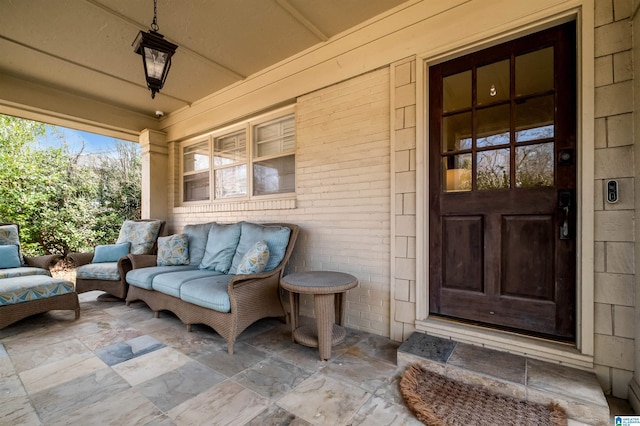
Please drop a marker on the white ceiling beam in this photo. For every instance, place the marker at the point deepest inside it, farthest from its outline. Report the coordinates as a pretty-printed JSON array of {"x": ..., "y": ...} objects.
[
  {"x": 232, "y": 73},
  {"x": 302, "y": 19},
  {"x": 78, "y": 64}
]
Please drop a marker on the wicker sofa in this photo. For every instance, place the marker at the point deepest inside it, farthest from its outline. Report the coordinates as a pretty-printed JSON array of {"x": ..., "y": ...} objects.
[
  {"x": 26, "y": 285},
  {"x": 229, "y": 281}
]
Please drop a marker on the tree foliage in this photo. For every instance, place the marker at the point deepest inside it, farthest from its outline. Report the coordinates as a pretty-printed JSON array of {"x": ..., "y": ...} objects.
[{"x": 64, "y": 201}]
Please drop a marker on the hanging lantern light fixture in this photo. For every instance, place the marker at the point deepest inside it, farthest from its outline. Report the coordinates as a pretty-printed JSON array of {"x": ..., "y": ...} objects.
[{"x": 156, "y": 54}]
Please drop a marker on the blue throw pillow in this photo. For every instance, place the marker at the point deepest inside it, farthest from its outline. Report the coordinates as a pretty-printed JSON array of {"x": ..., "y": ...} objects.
[
  {"x": 110, "y": 252},
  {"x": 173, "y": 250},
  {"x": 255, "y": 260},
  {"x": 9, "y": 256}
]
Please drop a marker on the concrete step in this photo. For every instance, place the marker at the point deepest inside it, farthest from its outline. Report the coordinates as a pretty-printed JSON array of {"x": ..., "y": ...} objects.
[{"x": 577, "y": 391}]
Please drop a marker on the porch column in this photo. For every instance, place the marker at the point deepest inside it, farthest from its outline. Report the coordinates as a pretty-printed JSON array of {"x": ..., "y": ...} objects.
[{"x": 155, "y": 166}]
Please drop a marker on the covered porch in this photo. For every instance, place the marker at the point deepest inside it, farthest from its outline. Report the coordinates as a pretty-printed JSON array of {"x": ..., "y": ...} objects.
[{"x": 353, "y": 78}]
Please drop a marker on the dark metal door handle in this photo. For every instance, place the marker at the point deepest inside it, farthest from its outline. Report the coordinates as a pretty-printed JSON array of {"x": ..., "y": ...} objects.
[
  {"x": 564, "y": 227},
  {"x": 565, "y": 201}
]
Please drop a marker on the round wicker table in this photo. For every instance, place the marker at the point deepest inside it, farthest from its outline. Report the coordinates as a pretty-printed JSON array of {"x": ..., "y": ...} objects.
[{"x": 328, "y": 289}]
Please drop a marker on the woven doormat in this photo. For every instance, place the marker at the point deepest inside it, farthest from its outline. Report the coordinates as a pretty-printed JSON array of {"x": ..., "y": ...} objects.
[{"x": 439, "y": 401}]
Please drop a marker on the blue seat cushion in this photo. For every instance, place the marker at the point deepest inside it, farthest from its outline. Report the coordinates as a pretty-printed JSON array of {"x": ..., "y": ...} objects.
[
  {"x": 33, "y": 287},
  {"x": 143, "y": 277},
  {"x": 99, "y": 271},
  {"x": 171, "y": 282},
  {"x": 23, "y": 271},
  {"x": 210, "y": 292}
]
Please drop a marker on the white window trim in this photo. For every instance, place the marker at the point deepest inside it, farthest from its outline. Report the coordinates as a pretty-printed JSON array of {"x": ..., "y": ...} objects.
[{"x": 248, "y": 202}]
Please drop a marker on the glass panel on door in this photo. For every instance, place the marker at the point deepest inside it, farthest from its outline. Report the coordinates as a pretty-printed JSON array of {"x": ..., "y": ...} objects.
[
  {"x": 457, "y": 91},
  {"x": 493, "y": 82},
  {"x": 457, "y": 173},
  {"x": 534, "y": 72},
  {"x": 535, "y": 119},
  {"x": 494, "y": 169}
]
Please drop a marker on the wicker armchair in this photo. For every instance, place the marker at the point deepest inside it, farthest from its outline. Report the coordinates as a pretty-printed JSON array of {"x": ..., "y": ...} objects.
[
  {"x": 110, "y": 276},
  {"x": 26, "y": 286}
]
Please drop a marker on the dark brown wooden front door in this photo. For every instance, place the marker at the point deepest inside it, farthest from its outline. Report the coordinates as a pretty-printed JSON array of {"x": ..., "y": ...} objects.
[{"x": 502, "y": 179}]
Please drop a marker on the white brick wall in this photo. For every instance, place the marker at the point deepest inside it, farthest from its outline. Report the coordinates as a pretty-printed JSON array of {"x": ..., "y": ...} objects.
[
  {"x": 342, "y": 194},
  {"x": 342, "y": 180}
]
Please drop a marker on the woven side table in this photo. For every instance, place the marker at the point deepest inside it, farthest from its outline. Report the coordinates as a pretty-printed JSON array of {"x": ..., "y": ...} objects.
[{"x": 328, "y": 289}]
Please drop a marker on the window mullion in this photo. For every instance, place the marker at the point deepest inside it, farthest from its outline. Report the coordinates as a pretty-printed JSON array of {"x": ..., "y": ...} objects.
[{"x": 249, "y": 146}]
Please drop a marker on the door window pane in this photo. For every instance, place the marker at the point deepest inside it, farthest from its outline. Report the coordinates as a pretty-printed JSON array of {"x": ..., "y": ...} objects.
[
  {"x": 231, "y": 182},
  {"x": 456, "y": 132},
  {"x": 534, "y": 72},
  {"x": 534, "y": 165},
  {"x": 274, "y": 176},
  {"x": 493, "y": 126},
  {"x": 196, "y": 187},
  {"x": 534, "y": 119},
  {"x": 456, "y": 91},
  {"x": 457, "y": 173},
  {"x": 196, "y": 157},
  {"x": 493, "y": 169},
  {"x": 493, "y": 82}
]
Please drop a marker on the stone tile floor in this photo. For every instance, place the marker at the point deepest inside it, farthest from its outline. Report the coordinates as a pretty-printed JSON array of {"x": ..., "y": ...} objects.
[{"x": 119, "y": 365}]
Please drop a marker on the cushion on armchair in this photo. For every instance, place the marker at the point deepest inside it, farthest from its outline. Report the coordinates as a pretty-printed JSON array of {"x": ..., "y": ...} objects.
[
  {"x": 9, "y": 256},
  {"x": 99, "y": 271},
  {"x": 110, "y": 252},
  {"x": 141, "y": 235},
  {"x": 23, "y": 271},
  {"x": 173, "y": 250},
  {"x": 9, "y": 236}
]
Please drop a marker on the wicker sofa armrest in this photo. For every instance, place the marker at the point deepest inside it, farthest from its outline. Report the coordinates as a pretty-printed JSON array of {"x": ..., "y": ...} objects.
[
  {"x": 79, "y": 259},
  {"x": 45, "y": 262},
  {"x": 142, "y": 260},
  {"x": 238, "y": 280}
]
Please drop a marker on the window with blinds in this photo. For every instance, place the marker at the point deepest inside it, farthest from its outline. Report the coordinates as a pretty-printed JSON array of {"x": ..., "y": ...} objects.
[
  {"x": 273, "y": 155},
  {"x": 225, "y": 166}
]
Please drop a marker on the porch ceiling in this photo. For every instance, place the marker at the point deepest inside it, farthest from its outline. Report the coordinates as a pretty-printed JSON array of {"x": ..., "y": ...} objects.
[{"x": 82, "y": 48}]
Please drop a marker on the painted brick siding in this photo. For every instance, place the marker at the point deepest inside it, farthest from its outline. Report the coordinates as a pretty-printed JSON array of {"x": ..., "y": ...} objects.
[
  {"x": 342, "y": 185},
  {"x": 342, "y": 194},
  {"x": 614, "y": 223}
]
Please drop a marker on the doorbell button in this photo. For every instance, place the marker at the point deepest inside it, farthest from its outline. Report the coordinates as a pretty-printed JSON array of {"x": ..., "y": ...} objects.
[{"x": 612, "y": 191}]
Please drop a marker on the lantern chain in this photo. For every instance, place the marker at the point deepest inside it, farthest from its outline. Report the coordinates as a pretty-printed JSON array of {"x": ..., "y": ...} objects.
[{"x": 154, "y": 24}]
